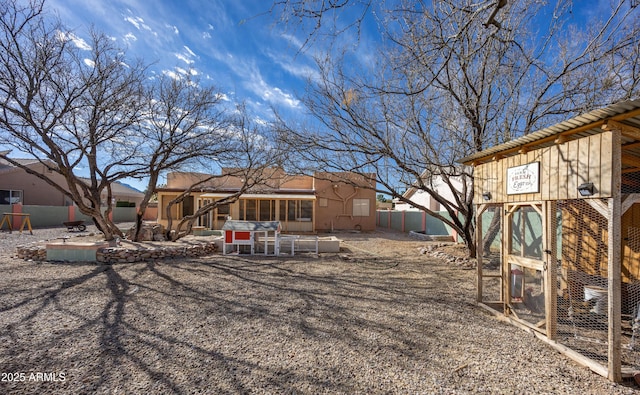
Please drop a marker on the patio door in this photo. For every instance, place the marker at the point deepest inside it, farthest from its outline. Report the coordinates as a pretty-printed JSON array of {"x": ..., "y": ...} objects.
[
  {"x": 527, "y": 279},
  {"x": 205, "y": 219}
]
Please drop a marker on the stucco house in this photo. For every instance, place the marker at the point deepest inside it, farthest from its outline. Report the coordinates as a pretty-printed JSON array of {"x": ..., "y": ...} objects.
[
  {"x": 436, "y": 183},
  {"x": 302, "y": 203},
  {"x": 18, "y": 186}
]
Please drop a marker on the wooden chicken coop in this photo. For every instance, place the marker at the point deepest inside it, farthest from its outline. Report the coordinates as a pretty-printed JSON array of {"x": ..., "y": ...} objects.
[{"x": 558, "y": 236}]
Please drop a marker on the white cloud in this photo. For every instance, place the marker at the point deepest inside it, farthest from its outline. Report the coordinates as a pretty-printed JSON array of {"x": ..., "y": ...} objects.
[
  {"x": 189, "y": 51},
  {"x": 130, "y": 37},
  {"x": 133, "y": 21},
  {"x": 296, "y": 69},
  {"x": 206, "y": 35},
  {"x": 179, "y": 73},
  {"x": 77, "y": 41},
  {"x": 171, "y": 74},
  {"x": 184, "y": 58},
  {"x": 294, "y": 41},
  {"x": 271, "y": 94},
  {"x": 89, "y": 62},
  {"x": 174, "y": 28},
  {"x": 139, "y": 24}
]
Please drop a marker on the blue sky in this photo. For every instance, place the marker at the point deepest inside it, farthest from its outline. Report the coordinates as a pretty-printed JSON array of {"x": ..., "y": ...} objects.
[{"x": 233, "y": 45}]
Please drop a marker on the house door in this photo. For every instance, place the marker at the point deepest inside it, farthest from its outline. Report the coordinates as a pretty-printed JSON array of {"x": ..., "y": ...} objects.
[
  {"x": 526, "y": 276},
  {"x": 205, "y": 219}
]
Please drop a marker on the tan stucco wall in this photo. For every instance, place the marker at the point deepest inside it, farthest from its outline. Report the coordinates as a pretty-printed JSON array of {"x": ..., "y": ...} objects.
[
  {"x": 334, "y": 204},
  {"x": 35, "y": 191},
  {"x": 339, "y": 198}
]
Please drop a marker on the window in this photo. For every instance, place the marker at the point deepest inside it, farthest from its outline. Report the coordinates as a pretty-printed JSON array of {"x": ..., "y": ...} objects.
[
  {"x": 306, "y": 210},
  {"x": 267, "y": 210},
  {"x": 224, "y": 209},
  {"x": 249, "y": 210},
  {"x": 258, "y": 210},
  {"x": 187, "y": 206},
  {"x": 8, "y": 196},
  {"x": 296, "y": 210},
  {"x": 323, "y": 202},
  {"x": 360, "y": 207},
  {"x": 164, "y": 202}
]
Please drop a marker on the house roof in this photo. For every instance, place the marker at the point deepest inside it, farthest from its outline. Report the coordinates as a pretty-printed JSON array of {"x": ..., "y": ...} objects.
[
  {"x": 290, "y": 196},
  {"x": 118, "y": 188},
  {"x": 7, "y": 166},
  {"x": 124, "y": 189},
  {"x": 623, "y": 115}
]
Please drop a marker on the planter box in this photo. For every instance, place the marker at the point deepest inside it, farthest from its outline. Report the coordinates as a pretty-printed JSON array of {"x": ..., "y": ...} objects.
[{"x": 74, "y": 251}]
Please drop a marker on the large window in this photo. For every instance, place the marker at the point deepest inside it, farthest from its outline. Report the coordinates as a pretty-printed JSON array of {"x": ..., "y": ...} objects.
[
  {"x": 296, "y": 210},
  {"x": 8, "y": 196},
  {"x": 267, "y": 210},
  {"x": 257, "y": 210},
  {"x": 249, "y": 209},
  {"x": 360, "y": 207}
]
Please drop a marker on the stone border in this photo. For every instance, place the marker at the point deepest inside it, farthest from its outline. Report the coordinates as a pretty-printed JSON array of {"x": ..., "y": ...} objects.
[
  {"x": 425, "y": 237},
  {"x": 111, "y": 255}
]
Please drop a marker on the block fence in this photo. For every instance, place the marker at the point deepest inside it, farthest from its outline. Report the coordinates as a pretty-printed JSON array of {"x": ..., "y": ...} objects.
[{"x": 48, "y": 216}]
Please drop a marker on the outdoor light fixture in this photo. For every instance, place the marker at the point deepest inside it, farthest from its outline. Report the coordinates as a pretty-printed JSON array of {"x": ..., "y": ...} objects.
[
  {"x": 486, "y": 196},
  {"x": 586, "y": 189}
]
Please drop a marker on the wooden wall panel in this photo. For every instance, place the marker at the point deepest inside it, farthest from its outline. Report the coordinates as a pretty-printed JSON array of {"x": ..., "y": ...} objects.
[
  {"x": 545, "y": 176},
  {"x": 631, "y": 244},
  {"x": 606, "y": 171},
  {"x": 562, "y": 168},
  {"x": 563, "y": 179},
  {"x": 572, "y": 171},
  {"x": 583, "y": 161},
  {"x": 553, "y": 166},
  {"x": 595, "y": 148}
]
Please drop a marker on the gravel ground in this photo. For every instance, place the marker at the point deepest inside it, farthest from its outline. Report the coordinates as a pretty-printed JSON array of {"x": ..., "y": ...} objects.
[{"x": 377, "y": 318}]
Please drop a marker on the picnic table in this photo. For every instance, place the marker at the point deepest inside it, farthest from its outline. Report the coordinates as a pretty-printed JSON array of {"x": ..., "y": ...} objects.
[{"x": 8, "y": 218}]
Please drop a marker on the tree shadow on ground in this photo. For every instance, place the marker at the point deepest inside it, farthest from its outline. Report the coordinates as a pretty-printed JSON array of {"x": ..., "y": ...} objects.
[{"x": 225, "y": 324}]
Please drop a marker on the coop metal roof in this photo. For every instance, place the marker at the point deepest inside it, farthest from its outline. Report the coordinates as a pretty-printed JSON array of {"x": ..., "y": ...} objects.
[
  {"x": 626, "y": 114},
  {"x": 251, "y": 226}
]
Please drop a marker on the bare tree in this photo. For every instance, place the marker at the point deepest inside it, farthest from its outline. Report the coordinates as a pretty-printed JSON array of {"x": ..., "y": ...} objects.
[
  {"x": 183, "y": 125},
  {"x": 452, "y": 78},
  {"x": 69, "y": 102},
  {"x": 249, "y": 155}
]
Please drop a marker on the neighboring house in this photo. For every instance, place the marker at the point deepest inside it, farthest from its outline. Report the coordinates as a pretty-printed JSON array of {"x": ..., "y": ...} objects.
[
  {"x": 318, "y": 203},
  {"x": 18, "y": 186},
  {"x": 420, "y": 197},
  {"x": 121, "y": 193}
]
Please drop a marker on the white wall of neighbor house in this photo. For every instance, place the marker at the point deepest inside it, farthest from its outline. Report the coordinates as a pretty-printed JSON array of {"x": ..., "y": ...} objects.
[{"x": 424, "y": 199}]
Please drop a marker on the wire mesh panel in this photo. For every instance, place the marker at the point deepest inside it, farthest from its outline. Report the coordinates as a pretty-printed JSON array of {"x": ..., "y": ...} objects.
[
  {"x": 630, "y": 343},
  {"x": 492, "y": 253},
  {"x": 526, "y": 278},
  {"x": 582, "y": 308}
]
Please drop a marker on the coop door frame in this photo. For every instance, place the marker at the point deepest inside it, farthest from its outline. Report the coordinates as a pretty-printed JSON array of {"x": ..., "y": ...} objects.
[{"x": 545, "y": 262}]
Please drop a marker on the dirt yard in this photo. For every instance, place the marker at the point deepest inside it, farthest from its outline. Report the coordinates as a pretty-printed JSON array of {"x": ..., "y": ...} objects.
[{"x": 378, "y": 317}]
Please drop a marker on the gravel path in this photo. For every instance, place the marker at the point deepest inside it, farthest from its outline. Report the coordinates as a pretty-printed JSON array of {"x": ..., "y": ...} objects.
[{"x": 377, "y": 318}]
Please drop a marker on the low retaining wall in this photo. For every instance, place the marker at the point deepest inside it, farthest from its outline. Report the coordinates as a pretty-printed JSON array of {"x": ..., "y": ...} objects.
[
  {"x": 118, "y": 254},
  {"x": 426, "y": 237}
]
